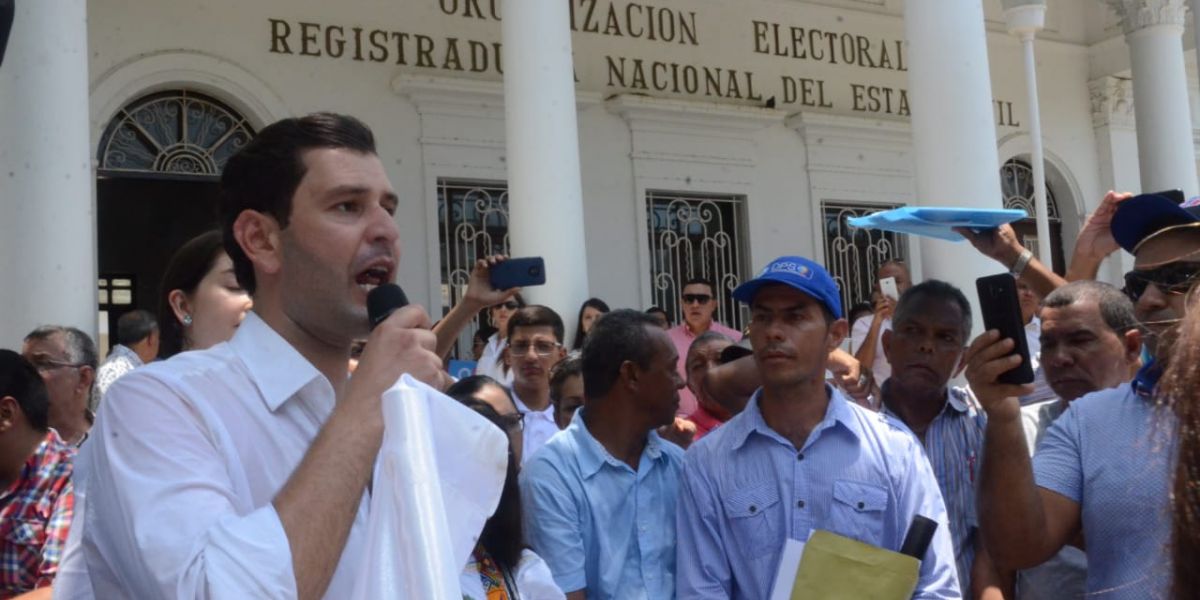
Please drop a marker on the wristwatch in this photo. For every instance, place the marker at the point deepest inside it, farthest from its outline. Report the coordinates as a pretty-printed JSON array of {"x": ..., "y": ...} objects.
[{"x": 1022, "y": 262}]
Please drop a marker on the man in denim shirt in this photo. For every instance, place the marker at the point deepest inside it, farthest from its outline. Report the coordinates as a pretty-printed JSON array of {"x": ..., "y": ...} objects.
[
  {"x": 600, "y": 496},
  {"x": 800, "y": 457}
]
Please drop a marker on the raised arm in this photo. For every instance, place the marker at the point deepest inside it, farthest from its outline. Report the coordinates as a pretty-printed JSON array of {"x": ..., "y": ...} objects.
[
  {"x": 480, "y": 295},
  {"x": 1095, "y": 241},
  {"x": 1001, "y": 245},
  {"x": 1022, "y": 524}
]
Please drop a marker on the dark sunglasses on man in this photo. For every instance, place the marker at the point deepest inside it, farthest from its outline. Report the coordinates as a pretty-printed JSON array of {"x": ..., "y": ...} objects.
[
  {"x": 696, "y": 298},
  {"x": 1174, "y": 278}
]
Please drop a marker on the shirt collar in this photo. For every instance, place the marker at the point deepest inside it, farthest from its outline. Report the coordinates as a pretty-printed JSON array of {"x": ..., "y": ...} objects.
[
  {"x": 958, "y": 400},
  {"x": 128, "y": 353},
  {"x": 837, "y": 413},
  {"x": 592, "y": 455},
  {"x": 277, "y": 369},
  {"x": 523, "y": 409},
  {"x": 1147, "y": 378}
]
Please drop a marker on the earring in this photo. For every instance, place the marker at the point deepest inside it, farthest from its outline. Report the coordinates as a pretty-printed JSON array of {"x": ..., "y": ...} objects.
[{"x": 187, "y": 320}]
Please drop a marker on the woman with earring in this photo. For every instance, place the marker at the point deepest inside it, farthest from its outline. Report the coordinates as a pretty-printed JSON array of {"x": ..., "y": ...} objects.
[{"x": 201, "y": 303}]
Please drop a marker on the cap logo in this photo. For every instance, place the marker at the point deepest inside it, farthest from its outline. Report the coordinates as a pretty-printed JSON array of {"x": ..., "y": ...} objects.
[{"x": 788, "y": 266}]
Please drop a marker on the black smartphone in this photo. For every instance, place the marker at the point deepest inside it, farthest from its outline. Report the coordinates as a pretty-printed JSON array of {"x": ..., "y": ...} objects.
[
  {"x": 519, "y": 272},
  {"x": 1002, "y": 311}
]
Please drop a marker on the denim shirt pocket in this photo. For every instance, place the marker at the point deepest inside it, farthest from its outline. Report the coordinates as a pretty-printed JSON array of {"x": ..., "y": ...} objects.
[
  {"x": 858, "y": 510},
  {"x": 748, "y": 510}
]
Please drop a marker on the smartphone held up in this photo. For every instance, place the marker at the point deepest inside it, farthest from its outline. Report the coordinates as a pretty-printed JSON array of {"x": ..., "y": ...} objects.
[{"x": 1001, "y": 309}]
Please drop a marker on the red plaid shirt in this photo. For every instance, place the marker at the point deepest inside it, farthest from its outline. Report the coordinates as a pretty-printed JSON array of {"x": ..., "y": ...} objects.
[{"x": 35, "y": 514}]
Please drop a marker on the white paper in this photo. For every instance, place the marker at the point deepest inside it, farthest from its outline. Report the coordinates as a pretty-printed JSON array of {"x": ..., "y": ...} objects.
[
  {"x": 789, "y": 566},
  {"x": 438, "y": 478}
]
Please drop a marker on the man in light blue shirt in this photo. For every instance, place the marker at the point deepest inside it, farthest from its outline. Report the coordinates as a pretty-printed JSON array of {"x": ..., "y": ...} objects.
[
  {"x": 930, "y": 330},
  {"x": 1104, "y": 468},
  {"x": 599, "y": 497},
  {"x": 800, "y": 457}
]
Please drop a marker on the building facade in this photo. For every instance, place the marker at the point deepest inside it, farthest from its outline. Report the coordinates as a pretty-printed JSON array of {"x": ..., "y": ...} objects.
[{"x": 713, "y": 135}]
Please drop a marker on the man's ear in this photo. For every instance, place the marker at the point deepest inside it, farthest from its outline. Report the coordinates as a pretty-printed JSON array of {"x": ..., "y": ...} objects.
[
  {"x": 87, "y": 376},
  {"x": 885, "y": 338},
  {"x": 9, "y": 411},
  {"x": 837, "y": 332},
  {"x": 258, "y": 236},
  {"x": 629, "y": 375},
  {"x": 1132, "y": 340}
]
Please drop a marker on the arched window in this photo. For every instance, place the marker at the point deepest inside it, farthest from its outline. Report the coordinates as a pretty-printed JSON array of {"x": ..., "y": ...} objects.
[
  {"x": 1016, "y": 182},
  {"x": 175, "y": 134}
]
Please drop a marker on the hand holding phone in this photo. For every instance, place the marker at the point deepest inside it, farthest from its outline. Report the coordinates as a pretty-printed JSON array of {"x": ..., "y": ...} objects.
[
  {"x": 518, "y": 272},
  {"x": 1002, "y": 311},
  {"x": 887, "y": 287}
]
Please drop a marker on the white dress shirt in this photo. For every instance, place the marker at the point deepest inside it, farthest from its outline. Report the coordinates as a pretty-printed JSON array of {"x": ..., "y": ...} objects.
[
  {"x": 491, "y": 363},
  {"x": 881, "y": 368},
  {"x": 184, "y": 461},
  {"x": 538, "y": 428}
]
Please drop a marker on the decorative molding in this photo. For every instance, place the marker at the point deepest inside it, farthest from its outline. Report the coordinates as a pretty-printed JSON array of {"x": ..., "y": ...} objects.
[
  {"x": 1141, "y": 14},
  {"x": 855, "y": 146},
  {"x": 693, "y": 132},
  {"x": 1112, "y": 102}
]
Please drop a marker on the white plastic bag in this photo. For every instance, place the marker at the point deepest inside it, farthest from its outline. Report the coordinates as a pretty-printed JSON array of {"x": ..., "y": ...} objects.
[{"x": 438, "y": 478}]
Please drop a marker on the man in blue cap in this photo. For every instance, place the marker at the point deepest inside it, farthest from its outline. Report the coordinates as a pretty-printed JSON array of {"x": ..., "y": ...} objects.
[
  {"x": 800, "y": 457},
  {"x": 1104, "y": 468}
]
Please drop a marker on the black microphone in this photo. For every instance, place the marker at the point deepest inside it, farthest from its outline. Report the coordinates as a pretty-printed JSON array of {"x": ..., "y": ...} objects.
[
  {"x": 920, "y": 534},
  {"x": 383, "y": 301}
]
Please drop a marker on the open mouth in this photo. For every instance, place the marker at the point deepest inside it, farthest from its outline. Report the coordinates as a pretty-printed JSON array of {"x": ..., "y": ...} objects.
[{"x": 373, "y": 277}]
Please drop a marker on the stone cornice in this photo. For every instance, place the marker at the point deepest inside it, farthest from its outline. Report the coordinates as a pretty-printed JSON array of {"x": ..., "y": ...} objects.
[
  {"x": 1112, "y": 102},
  {"x": 1140, "y": 14}
]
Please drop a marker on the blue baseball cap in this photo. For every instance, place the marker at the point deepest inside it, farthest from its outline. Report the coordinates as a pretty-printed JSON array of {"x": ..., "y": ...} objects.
[
  {"x": 1140, "y": 217},
  {"x": 799, "y": 273}
]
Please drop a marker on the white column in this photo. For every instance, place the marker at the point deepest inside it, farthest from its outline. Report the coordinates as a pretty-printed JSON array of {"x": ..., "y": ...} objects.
[
  {"x": 47, "y": 208},
  {"x": 1116, "y": 145},
  {"x": 545, "y": 198},
  {"x": 953, "y": 127},
  {"x": 1166, "y": 150}
]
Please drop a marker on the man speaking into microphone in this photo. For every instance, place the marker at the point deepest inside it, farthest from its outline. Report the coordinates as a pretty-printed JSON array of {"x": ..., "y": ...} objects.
[{"x": 242, "y": 471}]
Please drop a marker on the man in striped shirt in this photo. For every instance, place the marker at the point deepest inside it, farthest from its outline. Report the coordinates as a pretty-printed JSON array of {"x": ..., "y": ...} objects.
[{"x": 930, "y": 328}]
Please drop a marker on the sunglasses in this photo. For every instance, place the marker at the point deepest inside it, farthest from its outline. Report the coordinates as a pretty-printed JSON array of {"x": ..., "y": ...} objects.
[
  {"x": 1175, "y": 278},
  {"x": 513, "y": 422},
  {"x": 696, "y": 298},
  {"x": 510, "y": 305}
]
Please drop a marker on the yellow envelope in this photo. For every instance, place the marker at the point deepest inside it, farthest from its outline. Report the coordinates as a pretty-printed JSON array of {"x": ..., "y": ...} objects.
[{"x": 834, "y": 567}]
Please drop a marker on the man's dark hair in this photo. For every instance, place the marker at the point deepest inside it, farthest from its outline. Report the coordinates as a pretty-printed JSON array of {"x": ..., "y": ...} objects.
[
  {"x": 712, "y": 289},
  {"x": 912, "y": 301},
  {"x": 135, "y": 326},
  {"x": 622, "y": 335},
  {"x": 19, "y": 379},
  {"x": 659, "y": 310},
  {"x": 536, "y": 316},
  {"x": 566, "y": 368},
  {"x": 264, "y": 175},
  {"x": 1115, "y": 307},
  {"x": 81, "y": 350},
  {"x": 464, "y": 389},
  {"x": 702, "y": 339}
]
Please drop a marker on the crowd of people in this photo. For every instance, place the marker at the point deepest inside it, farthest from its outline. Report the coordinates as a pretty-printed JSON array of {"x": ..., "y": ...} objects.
[{"x": 225, "y": 447}]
